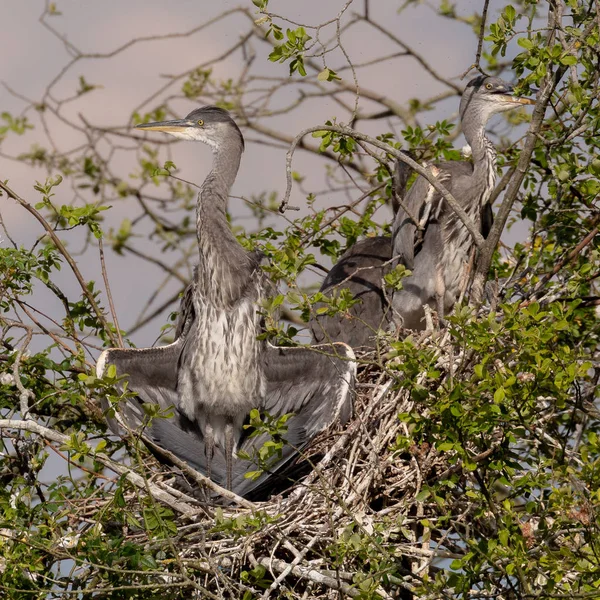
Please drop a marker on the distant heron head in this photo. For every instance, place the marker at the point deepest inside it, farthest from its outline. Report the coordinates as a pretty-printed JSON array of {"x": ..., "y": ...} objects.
[
  {"x": 486, "y": 96},
  {"x": 209, "y": 124}
]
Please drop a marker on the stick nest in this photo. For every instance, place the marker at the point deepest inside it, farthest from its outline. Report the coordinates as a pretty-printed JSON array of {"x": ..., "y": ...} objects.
[{"x": 347, "y": 528}]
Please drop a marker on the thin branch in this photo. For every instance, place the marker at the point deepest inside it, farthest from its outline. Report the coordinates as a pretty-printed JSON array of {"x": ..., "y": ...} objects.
[
  {"x": 120, "y": 469},
  {"x": 61, "y": 248},
  {"x": 476, "y": 64},
  {"x": 113, "y": 312},
  {"x": 566, "y": 259},
  {"x": 426, "y": 173}
]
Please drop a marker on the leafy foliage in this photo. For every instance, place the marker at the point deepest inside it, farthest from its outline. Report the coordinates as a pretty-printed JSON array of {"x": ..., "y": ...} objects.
[{"x": 472, "y": 467}]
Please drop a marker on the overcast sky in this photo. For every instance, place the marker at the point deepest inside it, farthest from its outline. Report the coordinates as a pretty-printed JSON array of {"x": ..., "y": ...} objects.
[{"x": 33, "y": 57}]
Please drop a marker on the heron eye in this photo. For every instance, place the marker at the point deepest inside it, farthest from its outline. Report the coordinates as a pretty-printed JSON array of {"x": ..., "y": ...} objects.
[
  {"x": 488, "y": 86},
  {"x": 200, "y": 122}
]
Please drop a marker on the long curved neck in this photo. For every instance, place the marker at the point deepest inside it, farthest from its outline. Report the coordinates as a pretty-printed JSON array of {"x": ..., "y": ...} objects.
[
  {"x": 484, "y": 155},
  {"x": 224, "y": 266},
  {"x": 211, "y": 209}
]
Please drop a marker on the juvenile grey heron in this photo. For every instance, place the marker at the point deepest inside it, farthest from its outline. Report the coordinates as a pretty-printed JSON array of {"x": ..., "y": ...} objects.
[
  {"x": 437, "y": 258},
  {"x": 361, "y": 270},
  {"x": 217, "y": 371},
  {"x": 436, "y": 247}
]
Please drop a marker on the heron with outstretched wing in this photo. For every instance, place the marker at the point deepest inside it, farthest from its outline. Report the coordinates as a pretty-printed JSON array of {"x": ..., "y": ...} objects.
[{"x": 216, "y": 371}]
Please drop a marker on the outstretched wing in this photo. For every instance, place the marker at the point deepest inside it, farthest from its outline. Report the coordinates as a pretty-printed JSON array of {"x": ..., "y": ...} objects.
[
  {"x": 152, "y": 372},
  {"x": 316, "y": 384}
]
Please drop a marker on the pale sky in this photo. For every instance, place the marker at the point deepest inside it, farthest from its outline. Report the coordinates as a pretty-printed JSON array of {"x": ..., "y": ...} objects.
[{"x": 33, "y": 57}]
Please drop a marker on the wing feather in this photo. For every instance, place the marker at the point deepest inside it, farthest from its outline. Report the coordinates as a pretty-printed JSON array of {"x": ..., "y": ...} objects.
[
  {"x": 421, "y": 207},
  {"x": 361, "y": 270},
  {"x": 316, "y": 384},
  {"x": 151, "y": 374}
]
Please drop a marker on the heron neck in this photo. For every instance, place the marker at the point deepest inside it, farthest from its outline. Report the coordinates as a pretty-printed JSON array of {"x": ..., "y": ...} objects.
[
  {"x": 483, "y": 153},
  {"x": 223, "y": 262},
  {"x": 211, "y": 210}
]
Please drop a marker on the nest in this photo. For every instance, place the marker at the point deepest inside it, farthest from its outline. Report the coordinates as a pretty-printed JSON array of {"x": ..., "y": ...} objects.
[{"x": 354, "y": 522}]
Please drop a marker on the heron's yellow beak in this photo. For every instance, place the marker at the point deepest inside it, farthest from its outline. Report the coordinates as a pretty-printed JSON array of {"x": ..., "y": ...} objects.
[
  {"x": 174, "y": 126},
  {"x": 515, "y": 99}
]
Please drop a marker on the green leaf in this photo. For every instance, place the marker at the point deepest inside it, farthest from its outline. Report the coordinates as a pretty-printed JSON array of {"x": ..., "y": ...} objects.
[
  {"x": 525, "y": 43},
  {"x": 422, "y": 495},
  {"x": 568, "y": 60},
  {"x": 499, "y": 395},
  {"x": 445, "y": 446},
  {"x": 323, "y": 75}
]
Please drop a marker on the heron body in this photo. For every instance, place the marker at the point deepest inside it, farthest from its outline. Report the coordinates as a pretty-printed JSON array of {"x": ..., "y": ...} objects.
[
  {"x": 220, "y": 379},
  {"x": 361, "y": 270},
  {"x": 437, "y": 258},
  {"x": 217, "y": 370}
]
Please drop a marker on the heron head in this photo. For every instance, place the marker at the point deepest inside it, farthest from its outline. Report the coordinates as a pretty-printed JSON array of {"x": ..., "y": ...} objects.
[
  {"x": 209, "y": 124},
  {"x": 486, "y": 96}
]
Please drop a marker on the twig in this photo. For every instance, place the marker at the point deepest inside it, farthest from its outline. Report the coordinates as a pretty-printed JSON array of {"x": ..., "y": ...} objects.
[
  {"x": 113, "y": 312},
  {"x": 297, "y": 560},
  {"x": 476, "y": 64},
  {"x": 565, "y": 259},
  {"x": 426, "y": 173},
  {"x": 310, "y": 574}
]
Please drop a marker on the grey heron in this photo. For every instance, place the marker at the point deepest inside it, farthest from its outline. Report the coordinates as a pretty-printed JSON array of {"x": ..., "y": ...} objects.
[
  {"x": 437, "y": 257},
  {"x": 361, "y": 270},
  {"x": 217, "y": 371}
]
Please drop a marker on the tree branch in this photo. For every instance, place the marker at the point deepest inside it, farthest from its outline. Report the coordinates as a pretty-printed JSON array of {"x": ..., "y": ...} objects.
[
  {"x": 61, "y": 248},
  {"x": 134, "y": 478},
  {"x": 426, "y": 173}
]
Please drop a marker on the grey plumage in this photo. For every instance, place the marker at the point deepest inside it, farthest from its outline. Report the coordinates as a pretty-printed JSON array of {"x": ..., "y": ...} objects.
[
  {"x": 217, "y": 371},
  {"x": 437, "y": 258},
  {"x": 361, "y": 270}
]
